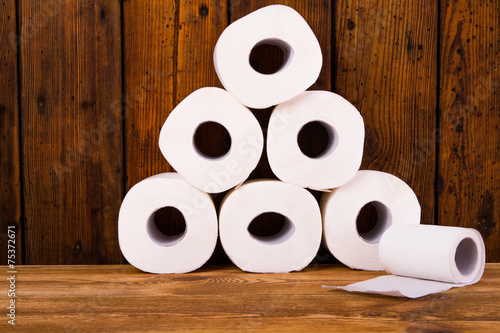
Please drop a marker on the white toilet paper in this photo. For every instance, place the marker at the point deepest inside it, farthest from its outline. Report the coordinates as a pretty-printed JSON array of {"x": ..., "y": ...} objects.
[
  {"x": 395, "y": 202},
  {"x": 145, "y": 247},
  {"x": 448, "y": 254},
  {"x": 419, "y": 254},
  {"x": 342, "y": 157},
  {"x": 291, "y": 249},
  {"x": 276, "y": 25},
  {"x": 212, "y": 175}
]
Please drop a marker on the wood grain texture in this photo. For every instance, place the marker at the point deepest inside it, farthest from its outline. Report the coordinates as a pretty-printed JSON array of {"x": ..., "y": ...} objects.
[
  {"x": 72, "y": 134},
  {"x": 222, "y": 298},
  {"x": 10, "y": 178},
  {"x": 469, "y": 161},
  {"x": 150, "y": 55},
  {"x": 200, "y": 25},
  {"x": 386, "y": 63},
  {"x": 66, "y": 140}
]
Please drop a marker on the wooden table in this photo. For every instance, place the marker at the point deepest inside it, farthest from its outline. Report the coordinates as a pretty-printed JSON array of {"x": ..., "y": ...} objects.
[{"x": 223, "y": 298}]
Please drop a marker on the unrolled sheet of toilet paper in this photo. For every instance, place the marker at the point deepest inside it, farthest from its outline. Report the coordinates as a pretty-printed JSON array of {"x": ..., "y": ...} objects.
[
  {"x": 425, "y": 259},
  {"x": 275, "y": 25}
]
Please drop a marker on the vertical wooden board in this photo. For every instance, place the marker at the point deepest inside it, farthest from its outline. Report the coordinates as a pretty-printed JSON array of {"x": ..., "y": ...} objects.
[
  {"x": 149, "y": 45},
  {"x": 386, "y": 63},
  {"x": 72, "y": 130},
  {"x": 469, "y": 161},
  {"x": 200, "y": 25},
  {"x": 10, "y": 187}
]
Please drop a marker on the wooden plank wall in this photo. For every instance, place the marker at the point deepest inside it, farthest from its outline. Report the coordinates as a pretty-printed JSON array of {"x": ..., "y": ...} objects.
[
  {"x": 10, "y": 166},
  {"x": 86, "y": 86}
]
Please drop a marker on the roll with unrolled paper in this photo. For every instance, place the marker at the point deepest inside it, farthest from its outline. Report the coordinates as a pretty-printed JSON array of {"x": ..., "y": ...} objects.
[
  {"x": 441, "y": 253},
  {"x": 426, "y": 259},
  {"x": 292, "y": 248},
  {"x": 274, "y": 25},
  {"x": 145, "y": 246},
  {"x": 212, "y": 174},
  {"x": 394, "y": 201}
]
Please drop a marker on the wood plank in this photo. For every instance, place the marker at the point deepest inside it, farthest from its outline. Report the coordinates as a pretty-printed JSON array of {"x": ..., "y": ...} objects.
[
  {"x": 10, "y": 178},
  {"x": 223, "y": 298},
  {"x": 149, "y": 30},
  {"x": 200, "y": 25},
  {"x": 72, "y": 130},
  {"x": 386, "y": 64},
  {"x": 469, "y": 163}
]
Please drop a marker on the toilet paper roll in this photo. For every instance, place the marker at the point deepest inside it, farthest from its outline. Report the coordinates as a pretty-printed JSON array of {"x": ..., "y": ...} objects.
[
  {"x": 275, "y": 25},
  {"x": 427, "y": 259},
  {"x": 212, "y": 174},
  {"x": 342, "y": 156},
  {"x": 395, "y": 202},
  {"x": 291, "y": 249},
  {"x": 148, "y": 249},
  {"x": 448, "y": 254}
]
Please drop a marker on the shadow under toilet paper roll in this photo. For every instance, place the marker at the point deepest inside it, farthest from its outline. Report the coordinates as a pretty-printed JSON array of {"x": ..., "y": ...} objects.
[
  {"x": 292, "y": 248},
  {"x": 276, "y": 25},
  {"x": 394, "y": 201},
  {"x": 212, "y": 174},
  {"x": 145, "y": 246},
  {"x": 341, "y": 159}
]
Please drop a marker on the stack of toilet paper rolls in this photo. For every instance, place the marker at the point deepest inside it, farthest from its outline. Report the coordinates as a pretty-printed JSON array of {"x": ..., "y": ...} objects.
[{"x": 335, "y": 171}]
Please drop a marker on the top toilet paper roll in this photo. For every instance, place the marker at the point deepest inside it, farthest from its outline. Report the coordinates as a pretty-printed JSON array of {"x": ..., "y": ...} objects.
[
  {"x": 275, "y": 25},
  {"x": 342, "y": 156},
  {"x": 395, "y": 202},
  {"x": 212, "y": 175}
]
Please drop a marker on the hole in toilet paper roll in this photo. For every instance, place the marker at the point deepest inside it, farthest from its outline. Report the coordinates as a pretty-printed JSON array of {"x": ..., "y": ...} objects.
[
  {"x": 372, "y": 221},
  {"x": 317, "y": 139},
  {"x": 466, "y": 256},
  {"x": 271, "y": 228},
  {"x": 211, "y": 140},
  {"x": 270, "y": 56},
  {"x": 166, "y": 226}
]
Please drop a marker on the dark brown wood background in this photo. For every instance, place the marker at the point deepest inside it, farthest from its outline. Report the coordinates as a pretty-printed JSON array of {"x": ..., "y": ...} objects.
[{"x": 86, "y": 85}]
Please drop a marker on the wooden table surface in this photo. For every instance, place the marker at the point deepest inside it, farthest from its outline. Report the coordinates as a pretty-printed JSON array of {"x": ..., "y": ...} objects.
[{"x": 223, "y": 298}]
